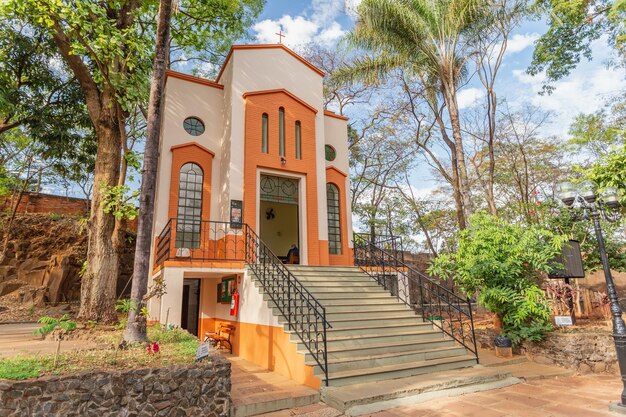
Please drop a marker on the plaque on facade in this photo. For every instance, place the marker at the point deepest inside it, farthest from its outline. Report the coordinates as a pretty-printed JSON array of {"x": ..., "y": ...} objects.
[{"x": 236, "y": 214}]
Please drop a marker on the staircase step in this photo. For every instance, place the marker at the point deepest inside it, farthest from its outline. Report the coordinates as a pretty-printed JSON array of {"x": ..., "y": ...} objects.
[
  {"x": 399, "y": 370},
  {"x": 381, "y": 347},
  {"x": 369, "y": 398},
  {"x": 369, "y": 301},
  {"x": 389, "y": 319},
  {"x": 371, "y": 338},
  {"x": 345, "y": 286},
  {"x": 380, "y": 330},
  {"x": 385, "y": 359},
  {"x": 365, "y": 309}
]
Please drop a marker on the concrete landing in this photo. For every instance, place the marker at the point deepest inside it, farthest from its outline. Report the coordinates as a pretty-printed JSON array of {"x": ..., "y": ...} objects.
[
  {"x": 520, "y": 367},
  {"x": 360, "y": 399},
  {"x": 256, "y": 390}
]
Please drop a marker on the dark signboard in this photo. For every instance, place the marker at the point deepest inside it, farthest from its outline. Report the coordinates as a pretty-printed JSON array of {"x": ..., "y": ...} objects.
[
  {"x": 236, "y": 214},
  {"x": 569, "y": 264}
]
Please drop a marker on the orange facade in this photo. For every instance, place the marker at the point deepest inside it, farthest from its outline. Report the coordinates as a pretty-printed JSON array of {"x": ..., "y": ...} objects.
[{"x": 270, "y": 102}]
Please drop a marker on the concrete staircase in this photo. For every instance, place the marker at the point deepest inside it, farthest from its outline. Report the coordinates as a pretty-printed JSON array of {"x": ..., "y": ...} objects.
[{"x": 374, "y": 337}]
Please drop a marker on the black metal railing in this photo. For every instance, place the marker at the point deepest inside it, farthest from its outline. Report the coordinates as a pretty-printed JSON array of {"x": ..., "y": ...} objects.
[
  {"x": 433, "y": 302},
  {"x": 303, "y": 312},
  {"x": 200, "y": 240}
]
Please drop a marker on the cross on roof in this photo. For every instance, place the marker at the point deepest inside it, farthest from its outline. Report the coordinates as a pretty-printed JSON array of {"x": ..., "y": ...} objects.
[{"x": 281, "y": 35}]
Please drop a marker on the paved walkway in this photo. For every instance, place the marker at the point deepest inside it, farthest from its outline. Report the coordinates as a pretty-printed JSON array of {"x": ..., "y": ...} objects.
[
  {"x": 547, "y": 391},
  {"x": 16, "y": 339}
]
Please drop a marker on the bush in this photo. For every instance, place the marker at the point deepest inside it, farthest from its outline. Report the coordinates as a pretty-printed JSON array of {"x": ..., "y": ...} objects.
[{"x": 504, "y": 264}]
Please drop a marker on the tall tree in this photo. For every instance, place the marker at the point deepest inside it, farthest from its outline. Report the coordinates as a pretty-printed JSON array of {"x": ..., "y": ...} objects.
[
  {"x": 136, "y": 324},
  {"x": 572, "y": 27},
  {"x": 426, "y": 38},
  {"x": 108, "y": 46}
]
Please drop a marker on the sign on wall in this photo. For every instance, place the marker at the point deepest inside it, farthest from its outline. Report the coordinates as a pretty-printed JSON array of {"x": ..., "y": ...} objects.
[{"x": 236, "y": 214}]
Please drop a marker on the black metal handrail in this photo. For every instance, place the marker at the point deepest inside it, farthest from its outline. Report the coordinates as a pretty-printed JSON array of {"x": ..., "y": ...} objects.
[
  {"x": 303, "y": 312},
  {"x": 433, "y": 302},
  {"x": 200, "y": 240}
]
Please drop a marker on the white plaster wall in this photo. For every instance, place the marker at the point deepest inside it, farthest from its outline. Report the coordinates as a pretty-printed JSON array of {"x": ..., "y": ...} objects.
[
  {"x": 336, "y": 134},
  {"x": 269, "y": 69},
  {"x": 172, "y": 300},
  {"x": 184, "y": 99},
  {"x": 253, "y": 309},
  {"x": 225, "y": 174}
]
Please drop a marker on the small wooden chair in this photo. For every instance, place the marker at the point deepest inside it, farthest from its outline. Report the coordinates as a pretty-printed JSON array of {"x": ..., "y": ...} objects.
[{"x": 222, "y": 337}]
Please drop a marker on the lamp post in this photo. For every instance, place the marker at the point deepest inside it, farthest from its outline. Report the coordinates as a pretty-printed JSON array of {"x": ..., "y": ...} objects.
[{"x": 594, "y": 207}]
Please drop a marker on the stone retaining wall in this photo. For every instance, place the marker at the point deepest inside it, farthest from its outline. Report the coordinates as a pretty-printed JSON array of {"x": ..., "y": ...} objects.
[
  {"x": 584, "y": 352},
  {"x": 192, "y": 390}
]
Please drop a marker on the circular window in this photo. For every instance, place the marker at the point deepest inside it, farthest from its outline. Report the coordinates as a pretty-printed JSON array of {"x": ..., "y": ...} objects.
[
  {"x": 331, "y": 154},
  {"x": 193, "y": 126}
]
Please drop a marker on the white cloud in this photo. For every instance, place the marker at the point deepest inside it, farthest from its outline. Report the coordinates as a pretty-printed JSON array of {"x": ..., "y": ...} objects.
[
  {"x": 317, "y": 23},
  {"x": 298, "y": 30},
  {"x": 469, "y": 97},
  {"x": 519, "y": 42},
  {"x": 331, "y": 34},
  {"x": 584, "y": 91}
]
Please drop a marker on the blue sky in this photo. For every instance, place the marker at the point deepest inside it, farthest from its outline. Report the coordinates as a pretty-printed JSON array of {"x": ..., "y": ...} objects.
[{"x": 584, "y": 91}]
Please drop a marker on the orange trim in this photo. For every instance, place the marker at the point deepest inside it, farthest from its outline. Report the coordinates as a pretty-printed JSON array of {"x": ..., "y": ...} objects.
[
  {"x": 197, "y": 80},
  {"x": 338, "y": 178},
  {"x": 335, "y": 115},
  {"x": 281, "y": 90},
  {"x": 254, "y": 159},
  {"x": 268, "y": 46},
  {"x": 338, "y": 171},
  {"x": 182, "y": 154},
  {"x": 184, "y": 145}
]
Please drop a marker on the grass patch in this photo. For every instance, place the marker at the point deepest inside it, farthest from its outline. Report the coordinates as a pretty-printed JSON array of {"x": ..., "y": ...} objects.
[
  {"x": 23, "y": 367},
  {"x": 177, "y": 347}
]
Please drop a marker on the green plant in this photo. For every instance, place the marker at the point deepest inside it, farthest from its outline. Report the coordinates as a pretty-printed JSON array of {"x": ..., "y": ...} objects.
[
  {"x": 50, "y": 324},
  {"x": 504, "y": 263},
  {"x": 20, "y": 368},
  {"x": 144, "y": 312},
  {"x": 31, "y": 309},
  {"x": 125, "y": 305},
  {"x": 55, "y": 216}
]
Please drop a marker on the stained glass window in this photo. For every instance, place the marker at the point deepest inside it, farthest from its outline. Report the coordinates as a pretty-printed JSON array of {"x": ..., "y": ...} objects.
[
  {"x": 264, "y": 120},
  {"x": 331, "y": 154},
  {"x": 298, "y": 140},
  {"x": 279, "y": 189},
  {"x": 193, "y": 126},
  {"x": 189, "y": 206},
  {"x": 334, "y": 219},
  {"x": 281, "y": 132}
]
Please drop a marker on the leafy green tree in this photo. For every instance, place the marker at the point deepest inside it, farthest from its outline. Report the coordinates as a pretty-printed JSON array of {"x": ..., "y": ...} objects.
[
  {"x": 573, "y": 26},
  {"x": 108, "y": 48},
  {"x": 504, "y": 263}
]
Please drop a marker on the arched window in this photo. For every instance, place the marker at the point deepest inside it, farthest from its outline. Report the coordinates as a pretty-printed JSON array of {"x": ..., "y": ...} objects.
[
  {"x": 298, "y": 140},
  {"x": 264, "y": 121},
  {"x": 189, "y": 216},
  {"x": 334, "y": 219},
  {"x": 281, "y": 131}
]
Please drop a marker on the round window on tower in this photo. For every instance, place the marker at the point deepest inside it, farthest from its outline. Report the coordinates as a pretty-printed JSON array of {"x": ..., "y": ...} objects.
[
  {"x": 331, "y": 154},
  {"x": 193, "y": 126}
]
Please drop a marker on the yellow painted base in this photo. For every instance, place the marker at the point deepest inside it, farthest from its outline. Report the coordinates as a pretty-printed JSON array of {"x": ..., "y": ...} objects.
[{"x": 268, "y": 347}]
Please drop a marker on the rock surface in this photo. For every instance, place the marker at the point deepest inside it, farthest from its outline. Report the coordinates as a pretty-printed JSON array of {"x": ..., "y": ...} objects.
[{"x": 192, "y": 390}]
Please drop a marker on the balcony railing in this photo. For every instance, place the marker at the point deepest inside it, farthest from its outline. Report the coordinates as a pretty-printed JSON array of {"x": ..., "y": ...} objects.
[{"x": 200, "y": 241}]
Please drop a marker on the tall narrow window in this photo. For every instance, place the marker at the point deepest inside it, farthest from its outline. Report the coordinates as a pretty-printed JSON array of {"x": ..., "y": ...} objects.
[
  {"x": 334, "y": 220},
  {"x": 189, "y": 216},
  {"x": 281, "y": 131},
  {"x": 298, "y": 140},
  {"x": 264, "y": 133}
]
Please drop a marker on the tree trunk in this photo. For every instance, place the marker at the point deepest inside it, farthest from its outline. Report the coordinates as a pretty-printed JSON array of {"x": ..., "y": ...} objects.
[
  {"x": 136, "y": 325},
  {"x": 100, "y": 279},
  {"x": 463, "y": 181}
]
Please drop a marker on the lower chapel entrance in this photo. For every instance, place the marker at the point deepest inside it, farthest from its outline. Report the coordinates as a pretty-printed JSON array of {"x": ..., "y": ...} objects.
[{"x": 279, "y": 214}]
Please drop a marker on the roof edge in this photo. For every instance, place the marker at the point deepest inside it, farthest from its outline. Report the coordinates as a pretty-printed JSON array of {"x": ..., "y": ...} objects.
[
  {"x": 335, "y": 115},
  {"x": 268, "y": 46},
  {"x": 281, "y": 90},
  {"x": 193, "y": 79}
]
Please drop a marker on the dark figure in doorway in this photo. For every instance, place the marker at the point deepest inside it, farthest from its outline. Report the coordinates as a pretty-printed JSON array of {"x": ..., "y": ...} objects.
[{"x": 293, "y": 256}]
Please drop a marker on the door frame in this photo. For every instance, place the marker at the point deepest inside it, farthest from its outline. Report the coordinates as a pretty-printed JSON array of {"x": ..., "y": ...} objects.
[
  {"x": 302, "y": 219},
  {"x": 199, "y": 307}
]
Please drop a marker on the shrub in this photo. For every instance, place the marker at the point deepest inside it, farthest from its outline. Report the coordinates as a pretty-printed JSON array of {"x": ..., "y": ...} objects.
[{"x": 504, "y": 263}]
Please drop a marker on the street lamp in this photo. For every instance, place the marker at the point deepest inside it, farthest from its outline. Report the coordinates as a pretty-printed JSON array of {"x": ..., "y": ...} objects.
[{"x": 594, "y": 206}]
